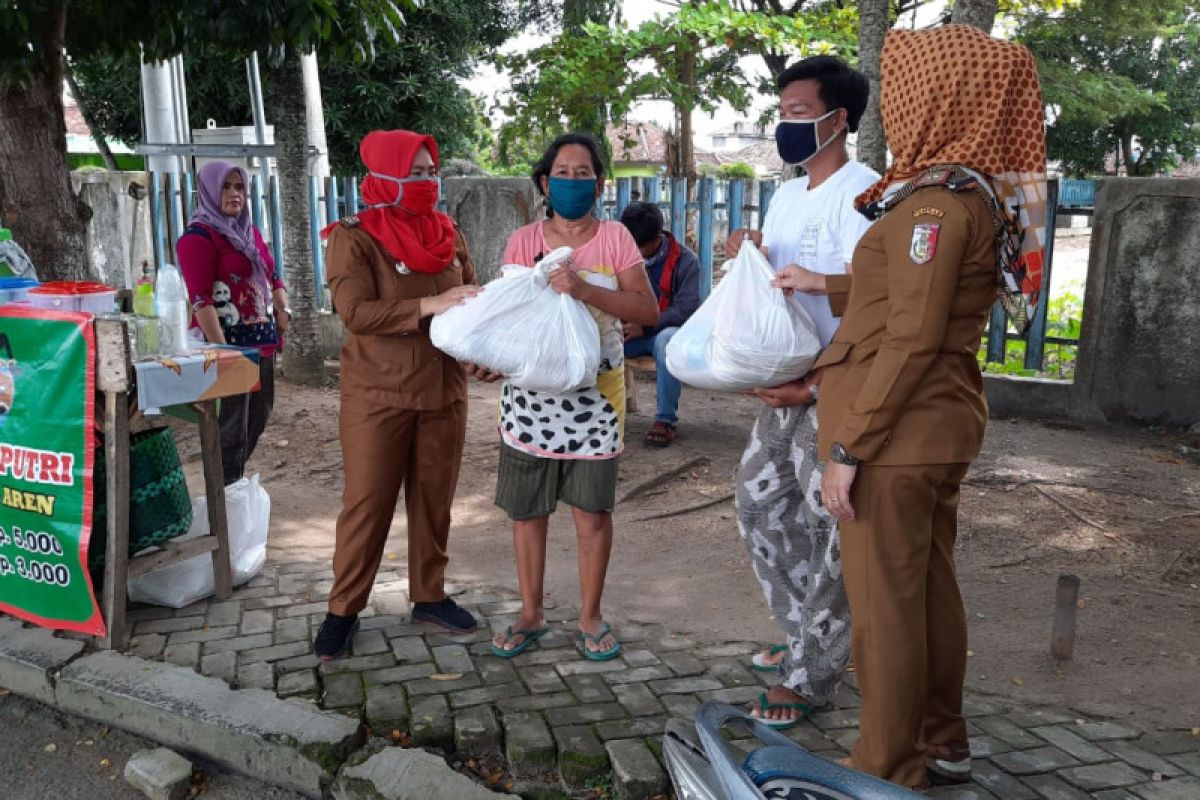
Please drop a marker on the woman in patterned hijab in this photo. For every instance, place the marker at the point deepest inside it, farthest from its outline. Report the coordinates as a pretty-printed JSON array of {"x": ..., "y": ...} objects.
[
  {"x": 960, "y": 219},
  {"x": 986, "y": 116}
]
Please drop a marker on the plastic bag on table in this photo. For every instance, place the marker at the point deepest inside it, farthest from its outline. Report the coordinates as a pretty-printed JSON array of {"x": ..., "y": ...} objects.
[
  {"x": 746, "y": 335},
  {"x": 248, "y": 515},
  {"x": 522, "y": 329}
]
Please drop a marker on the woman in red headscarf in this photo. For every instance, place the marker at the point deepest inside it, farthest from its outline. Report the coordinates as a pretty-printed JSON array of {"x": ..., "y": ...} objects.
[{"x": 404, "y": 404}]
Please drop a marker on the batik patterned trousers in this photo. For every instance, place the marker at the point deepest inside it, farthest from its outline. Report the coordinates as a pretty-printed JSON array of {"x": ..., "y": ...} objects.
[{"x": 793, "y": 546}]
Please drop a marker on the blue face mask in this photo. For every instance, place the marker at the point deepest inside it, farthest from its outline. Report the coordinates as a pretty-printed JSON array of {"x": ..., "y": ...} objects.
[
  {"x": 572, "y": 198},
  {"x": 797, "y": 139}
]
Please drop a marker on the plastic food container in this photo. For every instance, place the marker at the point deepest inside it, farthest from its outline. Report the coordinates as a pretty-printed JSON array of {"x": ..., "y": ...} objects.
[
  {"x": 16, "y": 290},
  {"x": 95, "y": 298}
]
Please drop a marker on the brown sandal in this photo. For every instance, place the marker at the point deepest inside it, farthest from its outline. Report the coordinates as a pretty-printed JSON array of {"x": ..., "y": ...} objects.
[{"x": 660, "y": 435}]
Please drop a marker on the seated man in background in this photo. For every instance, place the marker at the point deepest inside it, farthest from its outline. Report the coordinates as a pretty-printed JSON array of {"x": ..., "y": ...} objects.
[{"x": 674, "y": 272}]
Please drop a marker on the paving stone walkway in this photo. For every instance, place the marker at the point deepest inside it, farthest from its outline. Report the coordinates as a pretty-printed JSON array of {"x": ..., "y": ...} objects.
[{"x": 558, "y": 719}]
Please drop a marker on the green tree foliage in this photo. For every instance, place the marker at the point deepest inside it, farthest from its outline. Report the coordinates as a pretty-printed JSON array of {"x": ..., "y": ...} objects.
[
  {"x": 412, "y": 82},
  {"x": 36, "y": 198},
  {"x": 738, "y": 169},
  {"x": 689, "y": 58},
  {"x": 1120, "y": 80}
]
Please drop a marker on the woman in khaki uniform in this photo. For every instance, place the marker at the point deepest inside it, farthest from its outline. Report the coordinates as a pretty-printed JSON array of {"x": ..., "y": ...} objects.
[
  {"x": 404, "y": 405},
  {"x": 901, "y": 409}
]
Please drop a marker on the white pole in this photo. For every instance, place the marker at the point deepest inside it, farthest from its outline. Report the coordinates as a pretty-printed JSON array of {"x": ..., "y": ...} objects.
[
  {"x": 260, "y": 124},
  {"x": 181, "y": 109},
  {"x": 314, "y": 115},
  {"x": 158, "y": 113}
]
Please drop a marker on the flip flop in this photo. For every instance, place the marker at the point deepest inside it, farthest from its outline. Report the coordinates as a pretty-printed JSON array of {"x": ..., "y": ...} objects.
[
  {"x": 660, "y": 435},
  {"x": 762, "y": 666},
  {"x": 600, "y": 655},
  {"x": 765, "y": 705},
  {"x": 531, "y": 635}
]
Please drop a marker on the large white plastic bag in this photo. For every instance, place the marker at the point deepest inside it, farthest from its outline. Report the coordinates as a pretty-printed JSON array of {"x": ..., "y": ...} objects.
[
  {"x": 746, "y": 335},
  {"x": 521, "y": 328},
  {"x": 248, "y": 512}
]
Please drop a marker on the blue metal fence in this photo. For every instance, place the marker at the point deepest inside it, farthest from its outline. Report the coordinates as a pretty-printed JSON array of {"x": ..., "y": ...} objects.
[
  {"x": 1076, "y": 194},
  {"x": 717, "y": 208}
]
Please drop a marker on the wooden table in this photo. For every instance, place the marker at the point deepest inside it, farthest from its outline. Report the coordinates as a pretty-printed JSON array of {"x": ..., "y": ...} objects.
[{"x": 114, "y": 378}]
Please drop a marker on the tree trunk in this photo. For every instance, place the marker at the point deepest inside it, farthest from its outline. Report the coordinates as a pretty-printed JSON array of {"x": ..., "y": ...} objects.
[
  {"x": 687, "y": 147},
  {"x": 47, "y": 219},
  {"x": 872, "y": 28},
  {"x": 1132, "y": 167},
  {"x": 776, "y": 64},
  {"x": 976, "y": 13},
  {"x": 575, "y": 15},
  {"x": 303, "y": 358}
]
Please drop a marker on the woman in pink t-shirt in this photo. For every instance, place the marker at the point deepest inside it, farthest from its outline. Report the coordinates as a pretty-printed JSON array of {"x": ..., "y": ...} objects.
[{"x": 566, "y": 447}]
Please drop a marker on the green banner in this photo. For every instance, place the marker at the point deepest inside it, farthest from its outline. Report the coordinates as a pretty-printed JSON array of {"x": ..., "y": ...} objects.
[{"x": 47, "y": 408}]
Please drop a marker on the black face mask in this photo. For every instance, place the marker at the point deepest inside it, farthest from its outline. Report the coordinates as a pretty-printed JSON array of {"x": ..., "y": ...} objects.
[{"x": 798, "y": 140}]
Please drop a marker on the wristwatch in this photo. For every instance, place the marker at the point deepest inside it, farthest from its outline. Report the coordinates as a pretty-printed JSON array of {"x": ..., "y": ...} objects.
[
  {"x": 814, "y": 389},
  {"x": 838, "y": 455},
  {"x": 285, "y": 310}
]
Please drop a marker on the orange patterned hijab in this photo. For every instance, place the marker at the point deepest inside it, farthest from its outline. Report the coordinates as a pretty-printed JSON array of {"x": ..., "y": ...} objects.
[{"x": 954, "y": 96}]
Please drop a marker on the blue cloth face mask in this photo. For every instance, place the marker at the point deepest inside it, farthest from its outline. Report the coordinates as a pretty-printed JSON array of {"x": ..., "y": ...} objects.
[
  {"x": 798, "y": 140},
  {"x": 572, "y": 198}
]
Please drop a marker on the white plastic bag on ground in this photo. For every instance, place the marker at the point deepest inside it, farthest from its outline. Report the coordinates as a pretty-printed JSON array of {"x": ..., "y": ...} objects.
[
  {"x": 248, "y": 512},
  {"x": 521, "y": 328},
  {"x": 746, "y": 335}
]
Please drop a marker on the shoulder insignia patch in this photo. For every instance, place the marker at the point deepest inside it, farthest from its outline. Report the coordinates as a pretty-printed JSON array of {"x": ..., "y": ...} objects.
[
  {"x": 351, "y": 221},
  {"x": 923, "y": 246},
  {"x": 928, "y": 211}
]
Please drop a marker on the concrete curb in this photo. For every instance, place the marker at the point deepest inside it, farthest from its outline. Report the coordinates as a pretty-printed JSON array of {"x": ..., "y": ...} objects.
[
  {"x": 31, "y": 657},
  {"x": 248, "y": 731}
]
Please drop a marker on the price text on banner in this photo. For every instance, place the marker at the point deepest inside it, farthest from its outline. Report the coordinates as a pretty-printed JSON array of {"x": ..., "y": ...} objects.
[{"x": 47, "y": 407}]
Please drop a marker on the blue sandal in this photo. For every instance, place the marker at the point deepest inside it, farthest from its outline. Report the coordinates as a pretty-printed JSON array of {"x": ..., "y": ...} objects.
[
  {"x": 600, "y": 655},
  {"x": 531, "y": 635}
]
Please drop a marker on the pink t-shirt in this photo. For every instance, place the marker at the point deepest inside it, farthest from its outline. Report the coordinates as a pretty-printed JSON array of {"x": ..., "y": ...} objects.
[
  {"x": 611, "y": 248},
  {"x": 588, "y": 423}
]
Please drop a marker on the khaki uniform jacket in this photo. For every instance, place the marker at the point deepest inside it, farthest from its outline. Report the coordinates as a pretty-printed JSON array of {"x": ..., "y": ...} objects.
[
  {"x": 388, "y": 358},
  {"x": 902, "y": 385}
]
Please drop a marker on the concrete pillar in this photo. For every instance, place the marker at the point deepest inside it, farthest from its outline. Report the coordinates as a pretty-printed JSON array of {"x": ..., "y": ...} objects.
[{"x": 1141, "y": 312}]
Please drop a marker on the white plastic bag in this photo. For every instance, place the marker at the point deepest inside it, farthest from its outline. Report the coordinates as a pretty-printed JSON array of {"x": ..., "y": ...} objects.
[
  {"x": 746, "y": 335},
  {"x": 522, "y": 329},
  {"x": 248, "y": 512}
]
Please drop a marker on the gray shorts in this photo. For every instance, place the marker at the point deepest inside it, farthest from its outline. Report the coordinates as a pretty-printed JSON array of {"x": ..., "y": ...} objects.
[{"x": 529, "y": 487}]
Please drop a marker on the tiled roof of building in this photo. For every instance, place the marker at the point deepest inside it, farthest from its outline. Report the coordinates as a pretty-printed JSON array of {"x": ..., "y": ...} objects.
[
  {"x": 638, "y": 142},
  {"x": 75, "y": 123}
]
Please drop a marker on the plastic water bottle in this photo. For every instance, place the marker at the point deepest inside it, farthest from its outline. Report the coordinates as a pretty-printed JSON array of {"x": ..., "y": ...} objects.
[
  {"x": 173, "y": 309},
  {"x": 143, "y": 293}
]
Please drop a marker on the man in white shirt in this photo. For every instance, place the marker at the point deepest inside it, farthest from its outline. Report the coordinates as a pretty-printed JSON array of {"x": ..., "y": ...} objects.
[{"x": 793, "y": 541}]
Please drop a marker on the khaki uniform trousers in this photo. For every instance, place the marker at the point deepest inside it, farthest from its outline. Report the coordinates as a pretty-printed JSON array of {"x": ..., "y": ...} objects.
[
  {"x": 908, "y": 627},
  {"x": 384, "y": 449}
]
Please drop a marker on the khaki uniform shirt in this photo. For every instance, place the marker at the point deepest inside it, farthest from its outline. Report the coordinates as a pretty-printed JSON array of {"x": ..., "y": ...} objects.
[
  {"x": 902, "y": 384},
  {"x": 388, "y": 358}
]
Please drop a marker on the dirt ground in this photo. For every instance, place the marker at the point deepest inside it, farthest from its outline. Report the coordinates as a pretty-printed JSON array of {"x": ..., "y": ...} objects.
[{"x": 1119, "y": 508}]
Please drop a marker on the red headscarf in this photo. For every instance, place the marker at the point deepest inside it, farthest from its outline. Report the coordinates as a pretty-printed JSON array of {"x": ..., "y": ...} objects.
[{"x": 417, "y": 236}]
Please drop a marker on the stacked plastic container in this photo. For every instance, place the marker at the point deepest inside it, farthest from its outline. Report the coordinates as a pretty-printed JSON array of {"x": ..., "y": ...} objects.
[
  {"x": 94, "y": 298},
  {"x": 15, "y": 291}
]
